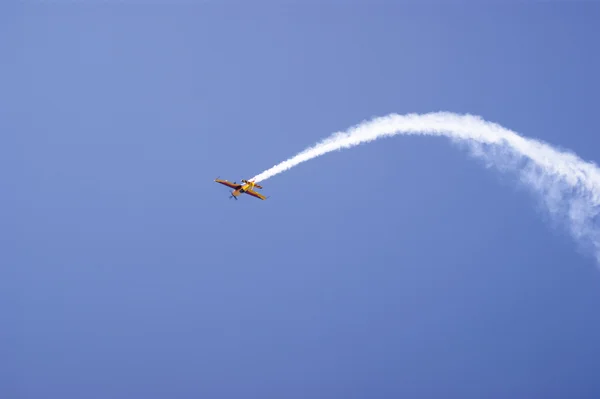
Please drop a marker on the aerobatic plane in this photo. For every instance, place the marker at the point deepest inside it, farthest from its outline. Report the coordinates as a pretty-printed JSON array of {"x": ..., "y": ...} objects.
[{"x": 245, "y": 188}]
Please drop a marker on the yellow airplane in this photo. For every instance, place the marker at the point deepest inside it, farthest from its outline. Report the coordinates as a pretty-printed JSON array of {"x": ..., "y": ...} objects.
[{"x": 239, "y": 189}]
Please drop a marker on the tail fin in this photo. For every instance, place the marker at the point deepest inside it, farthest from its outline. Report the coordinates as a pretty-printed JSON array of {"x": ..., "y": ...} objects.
[{"x": 248, "y": 182}]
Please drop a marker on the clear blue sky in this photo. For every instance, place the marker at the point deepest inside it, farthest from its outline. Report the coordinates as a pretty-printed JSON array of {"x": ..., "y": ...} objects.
[{"x": 403, "y": 268}]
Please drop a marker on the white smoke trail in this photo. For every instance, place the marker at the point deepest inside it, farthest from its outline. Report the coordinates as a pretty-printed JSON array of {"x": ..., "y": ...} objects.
[{"x": 570, "y": 187}]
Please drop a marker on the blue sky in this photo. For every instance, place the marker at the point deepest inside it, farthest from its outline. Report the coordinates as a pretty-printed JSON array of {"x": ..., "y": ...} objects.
[{"x": 399, "y": 268}]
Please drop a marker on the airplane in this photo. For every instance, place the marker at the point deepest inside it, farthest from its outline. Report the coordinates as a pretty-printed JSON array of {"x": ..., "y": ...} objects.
[{"x": 245, "y": 188}]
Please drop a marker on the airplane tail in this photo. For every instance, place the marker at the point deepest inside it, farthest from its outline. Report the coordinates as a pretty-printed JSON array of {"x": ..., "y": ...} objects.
[{"x": 255, "y": 185}]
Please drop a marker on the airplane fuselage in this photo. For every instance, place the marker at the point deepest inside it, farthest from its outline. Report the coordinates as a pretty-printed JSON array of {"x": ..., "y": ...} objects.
[{"x": 242, "y": 190}]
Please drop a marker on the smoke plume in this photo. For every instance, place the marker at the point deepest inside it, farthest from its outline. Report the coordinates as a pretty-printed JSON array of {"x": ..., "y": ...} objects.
[{"x": 569, "y": 186}]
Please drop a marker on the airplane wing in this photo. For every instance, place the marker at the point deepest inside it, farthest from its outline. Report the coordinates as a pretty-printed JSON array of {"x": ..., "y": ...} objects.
[
  {"x": 228, "y": 184},
  {"x": 255, "y": 194}
]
